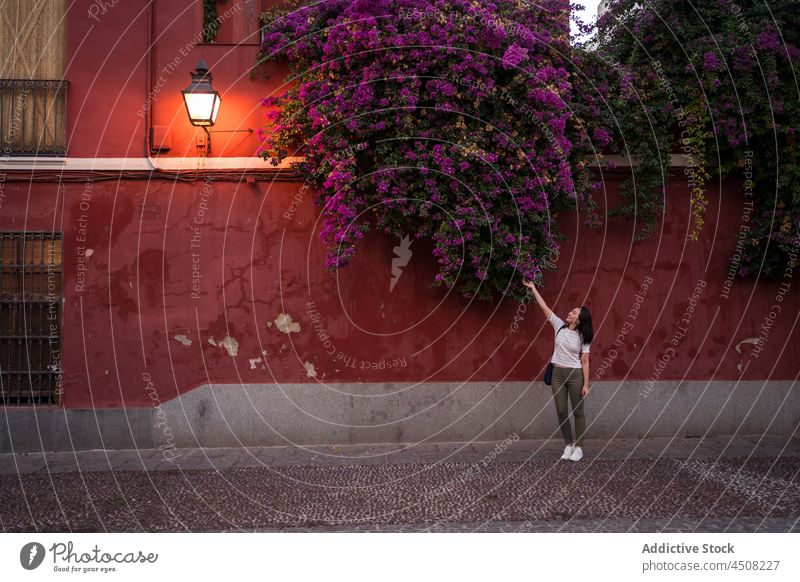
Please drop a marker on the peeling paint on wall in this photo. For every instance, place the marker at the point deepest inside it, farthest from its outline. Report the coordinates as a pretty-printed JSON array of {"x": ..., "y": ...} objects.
[
  {"x": 254, "y": 362},
  {"x": 750, "y": 340},
  {"x": 285, "y": 324},
  {"x": 310, "y": 370},
  {"x": 231, "y": 345},
  {"x": 212, "y": 341},
  {"x": 183, "y": 339},
  {"x": 402, "y": 256}
]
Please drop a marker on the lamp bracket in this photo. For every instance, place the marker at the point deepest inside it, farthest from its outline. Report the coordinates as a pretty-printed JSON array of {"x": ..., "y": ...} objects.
[{"x": 248, "y": 130}]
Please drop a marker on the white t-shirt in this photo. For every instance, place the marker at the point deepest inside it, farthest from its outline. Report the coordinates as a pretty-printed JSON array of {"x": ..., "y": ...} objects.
[{"x": 567, "y": 344}]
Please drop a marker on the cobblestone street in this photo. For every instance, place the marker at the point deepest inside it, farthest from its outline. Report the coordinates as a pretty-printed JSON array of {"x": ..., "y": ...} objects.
[{"x": 743, "y": 485}]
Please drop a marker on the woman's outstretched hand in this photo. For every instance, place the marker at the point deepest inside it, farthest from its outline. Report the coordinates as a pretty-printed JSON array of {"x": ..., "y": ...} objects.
[{"x": 547, "y": 311}]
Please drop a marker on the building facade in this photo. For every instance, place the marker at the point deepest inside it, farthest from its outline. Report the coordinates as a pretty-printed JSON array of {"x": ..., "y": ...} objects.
[{"x": 164, "y": 287}]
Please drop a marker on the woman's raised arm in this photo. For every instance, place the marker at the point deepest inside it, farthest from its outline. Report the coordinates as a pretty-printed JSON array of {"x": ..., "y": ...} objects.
[{"x": 547, "y": 311}]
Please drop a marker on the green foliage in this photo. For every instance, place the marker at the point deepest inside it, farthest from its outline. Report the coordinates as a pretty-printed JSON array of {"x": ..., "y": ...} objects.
[
  {"x": 715, "y": 81},
  {"x": 210, "y": 21}
]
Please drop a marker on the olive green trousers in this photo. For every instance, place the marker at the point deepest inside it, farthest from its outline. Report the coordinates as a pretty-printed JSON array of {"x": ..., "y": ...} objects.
[{"x": 567, "y": 383}]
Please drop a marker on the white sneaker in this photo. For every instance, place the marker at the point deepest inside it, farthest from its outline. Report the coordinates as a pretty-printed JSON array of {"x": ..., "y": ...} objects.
[
  {"x": 577, "y": 454},
  {"x": 568, "y": 452}
]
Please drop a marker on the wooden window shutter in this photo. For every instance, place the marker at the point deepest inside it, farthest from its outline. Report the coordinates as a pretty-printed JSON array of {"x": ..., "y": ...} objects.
[
  {"x": 32, "y": 89},
  {"x": 32, "y": 39}
]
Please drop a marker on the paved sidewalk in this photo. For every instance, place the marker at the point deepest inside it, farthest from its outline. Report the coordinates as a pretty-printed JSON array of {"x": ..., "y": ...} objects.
[
  {"x": 615, "y": 525},
  {"x": 519, "y": 451},
  {"x": 659, "y": 484}
]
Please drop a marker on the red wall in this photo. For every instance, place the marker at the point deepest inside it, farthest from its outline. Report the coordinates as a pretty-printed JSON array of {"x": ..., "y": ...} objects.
[{"x": 256, "y": 263}]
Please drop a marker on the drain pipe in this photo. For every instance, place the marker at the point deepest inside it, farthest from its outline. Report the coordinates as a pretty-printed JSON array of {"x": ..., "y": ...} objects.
[{"x": 149, "y": 75}]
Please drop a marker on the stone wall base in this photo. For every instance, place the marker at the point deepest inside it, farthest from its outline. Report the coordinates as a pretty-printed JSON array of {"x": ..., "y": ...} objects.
[{"x": 304, "y": 414}]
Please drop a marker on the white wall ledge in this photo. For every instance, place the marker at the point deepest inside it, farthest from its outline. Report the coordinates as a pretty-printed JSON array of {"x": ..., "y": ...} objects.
[{"x": 69, "y": 164}]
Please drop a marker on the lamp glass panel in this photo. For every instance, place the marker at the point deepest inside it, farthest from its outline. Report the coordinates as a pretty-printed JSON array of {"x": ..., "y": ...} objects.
[
  {"x": 202, "y": 107},
  {"x": 216, "y": 108}
]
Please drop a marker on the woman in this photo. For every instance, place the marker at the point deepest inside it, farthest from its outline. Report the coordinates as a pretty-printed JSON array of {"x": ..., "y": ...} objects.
[{"x": 570, "y": 370}]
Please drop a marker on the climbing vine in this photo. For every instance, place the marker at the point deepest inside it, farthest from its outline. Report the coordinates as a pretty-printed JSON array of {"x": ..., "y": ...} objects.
[
  {"x": 444, "y": 119},
  {"x": 717, "y": 82},
  {"x": 472, "y": 124}
]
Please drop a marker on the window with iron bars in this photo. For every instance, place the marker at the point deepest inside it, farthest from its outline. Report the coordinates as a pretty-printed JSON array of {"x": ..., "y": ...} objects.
[{"x": 31, "y": 305}]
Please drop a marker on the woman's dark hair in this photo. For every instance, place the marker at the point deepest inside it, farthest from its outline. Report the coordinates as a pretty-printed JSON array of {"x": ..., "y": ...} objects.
[{"x": 585, "y": 325}]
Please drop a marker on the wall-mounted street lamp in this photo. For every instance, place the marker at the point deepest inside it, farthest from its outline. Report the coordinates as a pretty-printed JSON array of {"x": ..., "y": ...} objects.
[
  {"x": 202, "y": 102},
  {"x": 201, "y": 99}
]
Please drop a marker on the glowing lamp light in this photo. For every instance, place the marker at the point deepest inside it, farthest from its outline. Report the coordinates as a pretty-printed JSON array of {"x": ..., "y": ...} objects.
[
  {"x": 201, "y": 100},
  {"x": 202, "y": 105}
]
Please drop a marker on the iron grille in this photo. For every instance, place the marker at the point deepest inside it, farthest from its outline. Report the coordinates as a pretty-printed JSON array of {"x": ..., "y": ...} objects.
[
  {"x": 31, "y": 300},
  {"x": 33, "y": 117}
]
